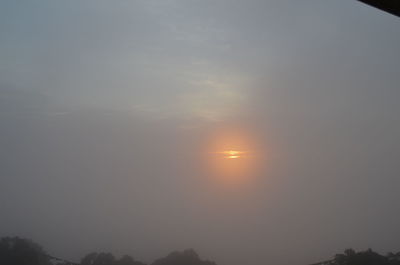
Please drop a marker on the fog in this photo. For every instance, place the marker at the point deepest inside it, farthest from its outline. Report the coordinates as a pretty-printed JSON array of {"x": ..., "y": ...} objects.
[{"x": 109, "y": 109}]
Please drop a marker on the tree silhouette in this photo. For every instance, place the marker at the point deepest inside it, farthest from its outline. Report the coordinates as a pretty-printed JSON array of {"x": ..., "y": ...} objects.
[
  {"x": 187, "y": 257},
  {"x": 394, "y": 259},
  {"x": 368, "y": 257},
  {"x": 18, "y": 251},
  {"x": 98, "y": 259},
  {"x": 108, "y": 259},
  {"x": 128, "y": 260}
]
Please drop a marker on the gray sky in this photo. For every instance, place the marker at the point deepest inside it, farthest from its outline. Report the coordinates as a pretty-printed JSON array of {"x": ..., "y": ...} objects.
[{"x": 112, "y": 112}]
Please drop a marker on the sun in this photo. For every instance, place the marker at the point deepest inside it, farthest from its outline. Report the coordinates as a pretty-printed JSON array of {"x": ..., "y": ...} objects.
[
  {"x": 232, "y": 157},
  {"x": 232, "y": 154}
]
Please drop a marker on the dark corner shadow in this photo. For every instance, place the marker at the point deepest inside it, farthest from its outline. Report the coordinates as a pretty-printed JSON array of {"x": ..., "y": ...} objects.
[{"x": 390, "y": 6}]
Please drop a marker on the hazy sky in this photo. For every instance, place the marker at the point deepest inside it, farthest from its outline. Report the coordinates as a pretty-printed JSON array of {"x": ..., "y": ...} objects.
[{"x": 112, "y": 113}]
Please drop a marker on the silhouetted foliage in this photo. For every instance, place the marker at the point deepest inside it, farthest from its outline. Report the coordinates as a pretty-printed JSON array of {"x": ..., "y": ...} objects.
[
  {"x": 394, "y": 259},
  {"x": 128, "y": 260},
  {"x": 368, "y": 257},
  {"x": 108, "y": 259},
  {"x": 18, "y": 251},
  {"x": 98, "y": 259},
  {"x": 187, "y": 257}
]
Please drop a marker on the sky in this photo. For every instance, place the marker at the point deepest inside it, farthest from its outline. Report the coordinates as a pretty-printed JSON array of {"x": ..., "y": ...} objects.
[{"x": 115, "y": 116}]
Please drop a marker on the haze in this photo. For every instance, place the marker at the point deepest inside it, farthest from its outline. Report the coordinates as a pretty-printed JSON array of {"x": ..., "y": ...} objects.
[{"x": 111, "y": 113}]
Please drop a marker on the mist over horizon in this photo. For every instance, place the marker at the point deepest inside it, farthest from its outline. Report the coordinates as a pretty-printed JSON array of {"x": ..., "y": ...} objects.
[{"x": 251, "y": 131}]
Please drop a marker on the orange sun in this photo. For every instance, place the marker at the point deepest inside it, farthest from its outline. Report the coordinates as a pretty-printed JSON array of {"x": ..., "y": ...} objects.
[
  {"x": 232, "y": 154},
  {"x": 233, "y": 159}
]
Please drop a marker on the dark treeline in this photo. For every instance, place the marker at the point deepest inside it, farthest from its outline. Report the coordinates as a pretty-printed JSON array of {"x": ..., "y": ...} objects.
[
  {"x": 368, "y": 257},
  {"x": 18, "y": 251}
]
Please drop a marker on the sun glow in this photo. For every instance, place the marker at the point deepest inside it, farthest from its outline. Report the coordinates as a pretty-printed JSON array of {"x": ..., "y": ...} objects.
[
  {"x": 233, "y": 158},
  {"x": 232, "y": 154}
]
